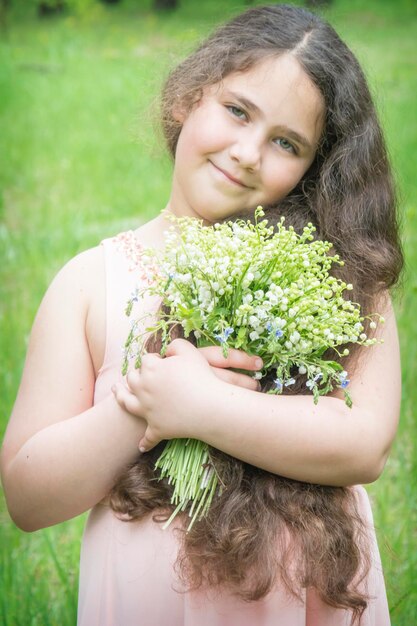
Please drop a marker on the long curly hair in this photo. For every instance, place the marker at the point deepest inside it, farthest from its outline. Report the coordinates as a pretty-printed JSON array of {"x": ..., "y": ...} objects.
[{"x": 266, "y": 528}]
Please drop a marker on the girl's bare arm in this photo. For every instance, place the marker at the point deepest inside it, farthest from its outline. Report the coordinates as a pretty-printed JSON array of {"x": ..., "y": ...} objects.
[
  {"x": 60, "y": 454},
  {"x": 327, "y": 443}
]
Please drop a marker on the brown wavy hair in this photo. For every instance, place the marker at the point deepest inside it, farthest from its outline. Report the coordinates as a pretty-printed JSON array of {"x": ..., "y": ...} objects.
[{"x": 266, "y": 528}]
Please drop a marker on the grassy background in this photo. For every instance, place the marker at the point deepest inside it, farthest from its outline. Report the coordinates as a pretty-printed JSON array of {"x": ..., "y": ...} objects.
[{"x": 80, "y": 160}]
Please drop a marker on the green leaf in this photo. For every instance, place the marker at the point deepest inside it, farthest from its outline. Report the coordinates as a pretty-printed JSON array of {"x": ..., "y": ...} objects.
[
  {"x": 191, "y": 324},
  {"x": 184, "y": 311},
  {"x": 338, "y": 367},
  {"x": 348, "y": 399},
  {"x": 241, "y": 338}
]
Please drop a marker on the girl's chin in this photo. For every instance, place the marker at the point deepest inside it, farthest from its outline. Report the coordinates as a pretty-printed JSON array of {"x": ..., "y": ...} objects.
[
  {"x": 214, "y": 212},
  {"x": 220, "y": 215}
]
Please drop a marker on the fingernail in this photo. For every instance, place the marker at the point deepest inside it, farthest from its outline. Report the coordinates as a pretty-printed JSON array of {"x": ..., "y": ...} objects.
[
  {"x": 142, "y": 449},
  {"x": 258, "y": 363}
]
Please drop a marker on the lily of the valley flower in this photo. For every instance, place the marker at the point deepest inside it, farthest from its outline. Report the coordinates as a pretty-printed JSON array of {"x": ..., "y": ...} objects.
[{"x": 269, "y": 292}]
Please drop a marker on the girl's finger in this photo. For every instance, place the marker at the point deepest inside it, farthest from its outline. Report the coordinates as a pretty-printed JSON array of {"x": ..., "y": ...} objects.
[
  {"x": 127, "y": 400},
  {"x": 235, "y": 358},
  {"x": 180, "y": 347},
  {"x": 235, "y": 378},
  {"x": 133, "y": 380},
  {"x": 149, "y": 357},
  {"x": 148, "y": 441}
]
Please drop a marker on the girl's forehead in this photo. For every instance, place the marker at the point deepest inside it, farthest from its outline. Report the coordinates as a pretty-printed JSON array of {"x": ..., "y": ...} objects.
[
  {"x": 276, "y": 88},
  {"x": 278, "y": 74}
]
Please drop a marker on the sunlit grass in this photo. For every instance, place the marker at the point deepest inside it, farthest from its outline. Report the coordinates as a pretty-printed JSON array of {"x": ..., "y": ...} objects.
[{"x": 79, "y": 160}]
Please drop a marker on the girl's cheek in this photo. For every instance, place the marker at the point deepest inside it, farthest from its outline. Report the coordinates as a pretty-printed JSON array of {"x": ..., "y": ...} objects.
[
  {"x": 281, "y": 179},
  {"x": 294, "y": 172}
]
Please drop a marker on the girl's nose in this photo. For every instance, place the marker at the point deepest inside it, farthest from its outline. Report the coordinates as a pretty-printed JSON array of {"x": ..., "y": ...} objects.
[{"x": 246, "y": 151}]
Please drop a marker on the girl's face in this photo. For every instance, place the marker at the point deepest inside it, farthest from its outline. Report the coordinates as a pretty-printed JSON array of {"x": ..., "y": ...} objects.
[{"x": 247, "y": 142}]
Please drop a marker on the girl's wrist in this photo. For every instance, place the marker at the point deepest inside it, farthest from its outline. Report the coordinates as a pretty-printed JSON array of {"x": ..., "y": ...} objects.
[
  {"x": 210, "y": 424},
  {"x": 125, "y": 417}
]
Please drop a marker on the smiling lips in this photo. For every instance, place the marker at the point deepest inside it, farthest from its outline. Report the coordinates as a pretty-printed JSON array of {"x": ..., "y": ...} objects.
[{"x": 233, "y": 179}]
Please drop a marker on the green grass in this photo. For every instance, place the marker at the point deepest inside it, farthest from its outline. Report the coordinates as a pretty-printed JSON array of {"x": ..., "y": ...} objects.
[{"x": 79, "y": 160}]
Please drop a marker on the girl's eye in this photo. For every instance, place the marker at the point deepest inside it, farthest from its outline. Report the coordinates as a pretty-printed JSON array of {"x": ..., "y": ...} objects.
[
  {"x": 286, "y": 145},
  {"x": 236, "y": 111}
]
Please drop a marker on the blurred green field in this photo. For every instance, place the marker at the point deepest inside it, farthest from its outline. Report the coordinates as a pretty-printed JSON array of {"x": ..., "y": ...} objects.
[{"x": 81, "y": 159}]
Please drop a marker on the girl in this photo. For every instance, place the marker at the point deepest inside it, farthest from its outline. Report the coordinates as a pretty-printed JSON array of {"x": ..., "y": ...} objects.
[{"x": 272, "y": 109}]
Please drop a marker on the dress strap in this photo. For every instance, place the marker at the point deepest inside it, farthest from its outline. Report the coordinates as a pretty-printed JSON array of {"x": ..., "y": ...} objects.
[
  {"x": 122, "y": 255},
  {"x": 124, "y": 275},
  {"x": 127, "y": 245}
]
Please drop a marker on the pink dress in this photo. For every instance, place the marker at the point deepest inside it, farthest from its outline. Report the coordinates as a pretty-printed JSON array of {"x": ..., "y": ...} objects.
[{"x": 127, "y": 576}]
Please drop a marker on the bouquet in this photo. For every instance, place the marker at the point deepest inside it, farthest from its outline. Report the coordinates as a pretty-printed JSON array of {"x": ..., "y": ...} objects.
[{"x": 268, "y": 291}]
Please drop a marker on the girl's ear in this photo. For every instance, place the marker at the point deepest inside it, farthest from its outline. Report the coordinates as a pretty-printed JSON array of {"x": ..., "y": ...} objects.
[{"x": 179, "y": 112}]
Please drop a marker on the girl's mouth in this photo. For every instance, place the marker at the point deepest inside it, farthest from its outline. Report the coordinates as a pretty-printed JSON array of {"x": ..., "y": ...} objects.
[{"x": 233, "y": 179}]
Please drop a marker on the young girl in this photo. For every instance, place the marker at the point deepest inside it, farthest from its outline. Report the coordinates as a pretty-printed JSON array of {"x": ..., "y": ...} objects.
[{"x": 272, "y": 109}]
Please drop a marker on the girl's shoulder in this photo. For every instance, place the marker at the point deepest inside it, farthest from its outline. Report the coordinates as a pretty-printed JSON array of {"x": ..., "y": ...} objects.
[
  {"x": 131, "y": 244},
  {"x": 113, "y": 264},
  {"x": 78, "y": 291},
  {"x": 85, "y": 278},
  {"x": 79, "y": 278},
  {"x": 86, "y": 271}
]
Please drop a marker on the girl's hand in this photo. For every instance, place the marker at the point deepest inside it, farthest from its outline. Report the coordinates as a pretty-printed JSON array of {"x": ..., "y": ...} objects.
[
  {"x": 168, "y": 392},
  {"x": 222, "y": 367}
]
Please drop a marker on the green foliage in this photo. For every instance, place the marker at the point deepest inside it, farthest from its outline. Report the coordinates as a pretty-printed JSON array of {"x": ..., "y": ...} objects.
[{"x": 79, "y": 161}]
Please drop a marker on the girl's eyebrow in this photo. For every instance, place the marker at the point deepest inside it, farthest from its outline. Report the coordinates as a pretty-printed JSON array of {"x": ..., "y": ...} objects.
[{"x": 289, "y": 132}]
